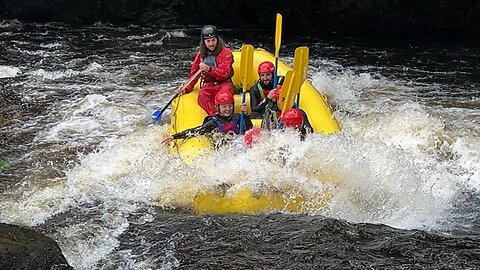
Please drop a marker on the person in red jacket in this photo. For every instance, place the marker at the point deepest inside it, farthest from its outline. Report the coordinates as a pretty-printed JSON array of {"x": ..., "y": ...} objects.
[
  {"x": 215, "y": 61},
  {"x": 296, "y": 119}
]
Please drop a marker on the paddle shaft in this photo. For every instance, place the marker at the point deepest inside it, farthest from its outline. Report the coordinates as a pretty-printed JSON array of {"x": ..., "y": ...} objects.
[
  {"x": 190, "y": 80},
  {"x": 168, "y": 103},
  {"x": 157, "y": 115},
  {"x": 242, "y": 115},
  {"x": 246, "y": 63},
  {"x": 278, "y": 42},
  {"x": 181, "y": 88},
  {"x": 275, "y": 74}
]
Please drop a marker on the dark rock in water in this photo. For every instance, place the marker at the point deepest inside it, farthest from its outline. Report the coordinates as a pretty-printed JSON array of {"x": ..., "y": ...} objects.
[{"x": 22, "y": 248}]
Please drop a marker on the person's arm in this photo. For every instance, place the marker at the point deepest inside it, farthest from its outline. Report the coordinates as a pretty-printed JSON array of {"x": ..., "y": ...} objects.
[
  {"x": 193, "y": 70},
  {"x": 223, "y": 70},
  {"x": 306, "y": 128},
  {"x": 208, "y": 126},
  {"x": 256, "y": 102},
  {"x": 273, "y": 103},
  {"x": 248, "y": 122},
  {"x": 254, "y": 98}
]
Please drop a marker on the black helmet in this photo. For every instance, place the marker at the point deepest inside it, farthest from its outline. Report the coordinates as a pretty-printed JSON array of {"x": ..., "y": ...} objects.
[{"x": 208, "y": 31}]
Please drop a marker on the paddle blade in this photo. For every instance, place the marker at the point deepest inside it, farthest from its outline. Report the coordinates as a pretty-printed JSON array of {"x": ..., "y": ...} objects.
[
  {"x": 300, "y": 65},
  {"x": 156, "y": 117},
  {"x": 287, "y": 95},
  {"x": 278, "y": 34},
  {"x": 246, "y": 63}
]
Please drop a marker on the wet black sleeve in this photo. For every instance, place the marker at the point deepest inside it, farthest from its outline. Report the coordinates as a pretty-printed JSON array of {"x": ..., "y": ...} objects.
[
  {"x": 273, "y": 105},
  {"x": 257, "y": 104},
  {"x": 248, "y": 122},
  {"x": 208, "y": 126},
  {"x": 306, "y": 128}
]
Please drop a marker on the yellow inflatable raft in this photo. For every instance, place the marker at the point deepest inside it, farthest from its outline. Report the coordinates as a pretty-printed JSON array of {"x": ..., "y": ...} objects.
[{"x": 187, "y": 114}]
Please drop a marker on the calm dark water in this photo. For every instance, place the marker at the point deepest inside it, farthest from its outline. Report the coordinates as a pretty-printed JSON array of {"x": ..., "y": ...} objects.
[{"x": 85, "y": 169}]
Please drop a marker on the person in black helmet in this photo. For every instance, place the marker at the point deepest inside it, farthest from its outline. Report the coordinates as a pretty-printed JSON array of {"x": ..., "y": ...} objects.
[{"x": 215, "y": 60}]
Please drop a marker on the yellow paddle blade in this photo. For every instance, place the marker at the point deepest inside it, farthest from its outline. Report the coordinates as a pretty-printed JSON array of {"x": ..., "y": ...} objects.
[
  {"x": 300, "y": 65},
  {"x": 287, "y": 99},
  {"x": 246, "y": 62},
  {"x": 278, "y": 34}
]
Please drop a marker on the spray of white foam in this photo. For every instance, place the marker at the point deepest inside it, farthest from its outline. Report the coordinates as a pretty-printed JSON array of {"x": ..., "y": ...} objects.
[
  {"x": 35, "y": 205},
  {"x": 54, "y": 45},
  {"x": 164, "y": 36},
  {"x": 146, "y": 36},
  {"x": 90, "y": 119},
  {"x": 274, "y": 164},
  {"x": 410, "y": 165},
  {"x": 384, "y": 184},
  {"x": 369, "y": 181},
  {"x": 9, "y": 72},
  {"x": 10, "y": 23},
  {"x": 91, "y": 69},
  {"x": 54, "y": 75},
  {"x": 133, "y": 168},
  {"x": 372, "y": 176},
  {"x": 125, "y": 174},
  {"x": 122, "y": 176},
  {"x": 467, "y": 150},
  {"x": 85, "y": 244}
]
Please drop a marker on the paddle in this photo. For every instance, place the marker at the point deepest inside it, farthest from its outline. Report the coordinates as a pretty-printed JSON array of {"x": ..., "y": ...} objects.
[
  {"x": 291, "y": 88},
  {"x": 285, "y": 100},
  {"x": 157, "y": 114},
  {"x": 278, "y": 41},
  {"x": 300, "y": 65},
  {"x": 246, "y": 62}
]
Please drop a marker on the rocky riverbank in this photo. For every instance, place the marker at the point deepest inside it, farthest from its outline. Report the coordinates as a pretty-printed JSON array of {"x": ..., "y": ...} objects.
[{"x": 22, "y": 248}]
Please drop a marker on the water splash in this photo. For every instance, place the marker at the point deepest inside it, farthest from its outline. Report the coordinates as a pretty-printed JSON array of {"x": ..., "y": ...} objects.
[
  {"x": 9, "y": 72},
  {"x": 419, "y": 166}
]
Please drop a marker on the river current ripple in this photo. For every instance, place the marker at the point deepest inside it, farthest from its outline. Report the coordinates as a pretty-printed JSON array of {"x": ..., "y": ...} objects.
[{"x": 84, "y": 169}]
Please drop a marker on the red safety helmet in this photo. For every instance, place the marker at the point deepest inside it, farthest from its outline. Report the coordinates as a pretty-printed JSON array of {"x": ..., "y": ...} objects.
[
  {"x": 292, "y": 118},
  {"x": 266, "y": 67},
  {"x": 223, "y": 97}
]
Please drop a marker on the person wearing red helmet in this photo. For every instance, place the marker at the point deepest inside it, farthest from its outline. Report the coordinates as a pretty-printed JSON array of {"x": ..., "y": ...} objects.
[
  {"x": 224, "y": 121},
  {"x": 215, "y": 61},
  {"x": 262, "y": 91},
  {"x": 296, "y": 119},
  {"x": 292, "y": 118}
]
